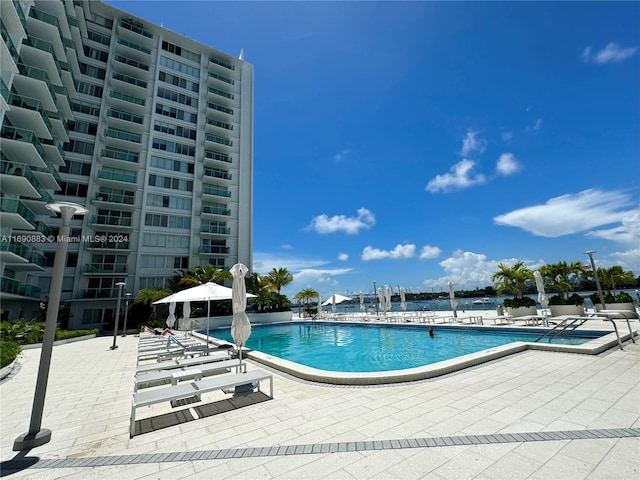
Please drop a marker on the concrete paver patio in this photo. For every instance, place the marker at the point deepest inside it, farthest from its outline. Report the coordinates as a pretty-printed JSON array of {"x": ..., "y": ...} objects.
[{"x": 533, "y": 415}]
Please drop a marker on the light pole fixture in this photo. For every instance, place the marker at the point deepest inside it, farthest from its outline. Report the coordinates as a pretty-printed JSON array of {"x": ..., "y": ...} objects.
[
  {"x": 36, "y": 435},
  {"x": 115, "y": 326},
  {"x": 126, "y": 313},
  {"x": 595, "y": 276}
]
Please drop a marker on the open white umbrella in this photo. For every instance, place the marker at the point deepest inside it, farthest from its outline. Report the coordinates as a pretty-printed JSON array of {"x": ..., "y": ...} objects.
[
  {"x": 403, "y": 300},
  {"x": 240, "y": 326},
  {"x": 452, "y": 297},
  {"x": 207, "y": 292},
  {"x": 335, "y": 298},
  {"x": 542, "y": 296},
  {"x": 171, "y": 319}
]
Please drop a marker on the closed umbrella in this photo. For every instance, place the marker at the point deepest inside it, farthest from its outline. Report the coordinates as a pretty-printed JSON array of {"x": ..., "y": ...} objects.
[
  {"x": 240, "y": 326},
  {"x": 542, "y": 296},
  {"x": 362, "y": 307},
  {"x": 333, "y": 303},
  {"x": 186, "y": 313},
  {"x": 381, "y": 301},
  {"x": 171, "y": 319},
  {"x": 452, "y": 297},
  {"x": 403, "y": 300},
  {"x": 319, "y": 306},
  {"x": 387, "y": 298}
]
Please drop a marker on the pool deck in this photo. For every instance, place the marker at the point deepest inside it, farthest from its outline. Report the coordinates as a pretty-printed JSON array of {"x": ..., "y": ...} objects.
[{"x": 530, "y": 415}]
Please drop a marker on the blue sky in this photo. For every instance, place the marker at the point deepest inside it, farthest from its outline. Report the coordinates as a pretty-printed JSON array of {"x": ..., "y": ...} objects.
[{"x": 412, "y": 144}]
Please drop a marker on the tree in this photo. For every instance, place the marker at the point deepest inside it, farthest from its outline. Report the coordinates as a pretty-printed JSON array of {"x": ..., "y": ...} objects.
[
  {"x": 614, "y": 277},
  {"x": 306, "y": 295},
  {"x": 256, "y": 283},
  {"x": 278, "y": 278},
  {"x": 559, "y": 275},
  {"x": 512, "y": 280},
  {"x": 148, "y": 296},
  {"x": 200, "y": 275}
]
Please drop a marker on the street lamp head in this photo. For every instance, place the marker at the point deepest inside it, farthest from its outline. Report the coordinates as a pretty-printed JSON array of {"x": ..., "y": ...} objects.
[
  {"x": 590, "y": 252},
  {"x": 128, "y": 295},
  {"x": 120, "y": 284},
  {"x": 66, "y": 210}
]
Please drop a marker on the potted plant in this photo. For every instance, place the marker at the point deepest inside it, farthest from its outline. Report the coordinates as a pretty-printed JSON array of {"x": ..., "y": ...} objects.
[
  {"x": 559, "y": 276},
  {"x": 512, "y": 280},
  {"x": 621, "y": 301}
]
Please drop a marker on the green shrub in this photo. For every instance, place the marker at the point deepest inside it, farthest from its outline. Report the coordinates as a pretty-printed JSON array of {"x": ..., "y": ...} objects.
[
  {"x": 64, "y": 334},
  {"x": 9, "y": 351},
  {"x": 574, "y": 299},
  {"x": 519, "y": 302},
  {"x": 622, "y": 297}
]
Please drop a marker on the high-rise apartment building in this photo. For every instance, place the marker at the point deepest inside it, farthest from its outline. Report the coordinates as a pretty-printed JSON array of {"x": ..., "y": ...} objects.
[{"x": 149, "y": 130}]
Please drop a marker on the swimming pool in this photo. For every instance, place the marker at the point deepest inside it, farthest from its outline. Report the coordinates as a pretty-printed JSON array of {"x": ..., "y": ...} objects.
[{"x": 347, "y": 347}]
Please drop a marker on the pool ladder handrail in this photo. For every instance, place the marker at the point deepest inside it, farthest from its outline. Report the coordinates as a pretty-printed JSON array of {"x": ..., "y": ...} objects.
[
  {"x": 571, "y": 326},
  {"x": 613, "y": 315}
]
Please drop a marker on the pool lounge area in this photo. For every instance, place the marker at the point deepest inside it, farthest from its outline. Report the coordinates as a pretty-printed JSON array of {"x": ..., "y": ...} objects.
[{"x": 598, "y": 341}]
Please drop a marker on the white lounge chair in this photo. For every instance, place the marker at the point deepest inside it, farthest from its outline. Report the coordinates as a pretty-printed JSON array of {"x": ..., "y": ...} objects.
[
  {"x": 189, "y": 389},
  {"x": 159, "y": 377},
  {"x": 184, "y": 362}
]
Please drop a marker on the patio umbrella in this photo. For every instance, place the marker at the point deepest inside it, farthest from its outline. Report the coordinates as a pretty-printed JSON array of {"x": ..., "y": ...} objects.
[
  {"x": 542, "y": 296},
  {"x": 335, "y": 297},
  {"x": 381, "y": 301},
  {"x": 362, "y": 307},
  {"x": 240, "y": 326},
  {"x": 403, "y": 300},
  {"x": 206, "y": 292},
  {"x": 452, "y": 296},
  {"x": 319, "y": 312},
  {"x": 171, "y": 319},
  {"x": 387, "y": 298},
  {"x": 333, "y": 303},
  {"x": 186, "y": 313}
]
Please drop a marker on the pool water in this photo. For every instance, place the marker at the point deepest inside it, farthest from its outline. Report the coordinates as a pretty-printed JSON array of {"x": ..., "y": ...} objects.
[{"x": 374, "y": 348}]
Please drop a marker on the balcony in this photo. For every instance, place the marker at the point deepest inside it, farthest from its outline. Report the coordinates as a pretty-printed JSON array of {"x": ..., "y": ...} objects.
[
  {"x": 118, "y": 177},
  {"x": 101, "y": 268},
  {"x": 219, "y": 124},
  {"x": 117, "y": 198},
  {"x": 123, "y": 135},
  {"x": 216, "y": 173},
  {"x": 109, "y": 221},
  {"x": 11, "y": 205},
  {"x": 215, "y": 210},
  {"x": 217, "y": 156},
  {"x": 100, "y": 293},
  {"x": 216, "y": 192},
  {"x": 13, "y": 287},
  {"x": 22, "y": 146},
  {"x": 129, "y": 99},
  {"x": 215, "y": 229},
  {"x": 119, "y": 154},
  {"x": 226, "y": 142},
  {"x": 221, "y": 78},
  {"x": 211, "y": 249}
]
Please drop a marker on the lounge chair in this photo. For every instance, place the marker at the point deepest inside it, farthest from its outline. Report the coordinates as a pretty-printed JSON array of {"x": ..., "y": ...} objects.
[
  {"x": 184, "y": 362},
  {"x": 190, "y": 389},
  {"x": 160, "y": 377}
]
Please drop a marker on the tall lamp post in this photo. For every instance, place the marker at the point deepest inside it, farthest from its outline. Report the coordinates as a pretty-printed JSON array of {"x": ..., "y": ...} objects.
[
  {"x": 115, "y": 326},
  {"x": 36, "y": 435},
  {"x": 126, "y": 313},
  {"x": 595, "y": 276}
]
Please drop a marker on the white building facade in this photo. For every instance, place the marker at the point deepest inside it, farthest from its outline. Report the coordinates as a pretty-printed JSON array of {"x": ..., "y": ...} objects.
[{"x": 149, "y": 130}]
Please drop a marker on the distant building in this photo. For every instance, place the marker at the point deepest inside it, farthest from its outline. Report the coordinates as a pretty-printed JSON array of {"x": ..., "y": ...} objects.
[{"x": 149, "y": 130}]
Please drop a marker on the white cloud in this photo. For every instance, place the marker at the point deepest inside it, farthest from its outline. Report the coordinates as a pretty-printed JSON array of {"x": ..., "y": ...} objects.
[
  {"x": 286, "y": 246},
  {"x": 343, "y": 257},
  {"x": 428, "y": 252},
  {"x": 341, "y": 155},
  {"x": 507, "y": 164},
  {"x": 612, "y": 53},
  {"x": 461, "y": 176},
  {"x": 571, "y": 213},
  {"x": 629, "y": 260},
  {"x": 399, "y": 252},
  {"x": 627, "y": 232},
  {"x": 340, "y": 223},
  {"x": 472, "y": 144},
  {"x": 537, "y": 125},
  {"x": 506, "y": 136}
]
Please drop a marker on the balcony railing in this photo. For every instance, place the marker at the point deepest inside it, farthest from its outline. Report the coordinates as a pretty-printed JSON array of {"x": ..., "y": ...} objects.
[
  {"x": 215, "y": 229},
  {"x": 216, "y": 173},
  {"x": 114, "y": 198},
  {"x": 118, "y": 177},
  {"x": 215, "y": 210},
  {"x": 14, "y": 247},
  {"x": 127, "y": 98},
  {"x": 218, "y": 192},
  {"x": 119, "y": 154},
  {"x": 134, "y": 46},
  {"x": 218, "y": 156},
  {"x": 219, "y": 140},
  {"x": 127, "y": 117},
  {"x": 15, "y": 206},
  {"x": 213, "y": 249},
  {"x": 105, "y": 268},
  {"x": 107, "y": 220},
  {"x": 121, "y": 135},
  {"x": 9, "y": 285},
  {"x": 27, "y": 136}
]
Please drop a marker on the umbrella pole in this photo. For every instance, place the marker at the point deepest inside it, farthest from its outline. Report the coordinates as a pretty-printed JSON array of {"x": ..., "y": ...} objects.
[
  {"x": 208, "y": 319},
  {"x": 240, "y": 357}
]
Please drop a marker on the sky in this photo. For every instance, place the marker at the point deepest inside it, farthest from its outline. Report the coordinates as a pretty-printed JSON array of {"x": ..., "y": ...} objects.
[{"x": 416, "y": 143}]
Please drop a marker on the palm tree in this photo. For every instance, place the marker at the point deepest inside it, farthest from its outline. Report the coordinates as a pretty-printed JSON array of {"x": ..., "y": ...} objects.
[
  {"x": 512, "y": 280},
  {"x": 200, "y": 275},
  {"x": 559, "y": 275},
  {"x": 306, "y": 295},
  {"x": 148, "y": 296},
  {"x": 613, "y": 277},
  {"x": 278, "y": 278},
  {"x": 256, "y": 283}
]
